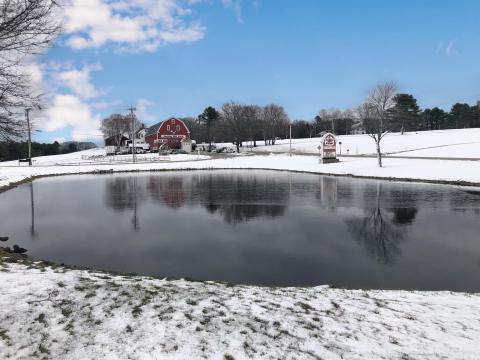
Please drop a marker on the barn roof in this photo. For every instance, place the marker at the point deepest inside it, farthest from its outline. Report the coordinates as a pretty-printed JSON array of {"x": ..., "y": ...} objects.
[{"x": 154, "y": 128}]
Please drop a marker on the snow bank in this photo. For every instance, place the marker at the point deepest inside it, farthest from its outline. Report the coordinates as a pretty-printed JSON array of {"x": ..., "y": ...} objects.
[{"x": 57, "y": 313}]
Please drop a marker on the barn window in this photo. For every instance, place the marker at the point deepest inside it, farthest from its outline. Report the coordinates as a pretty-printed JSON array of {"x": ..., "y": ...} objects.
[
  {"x": 178, "y": 127},
  {"x": 168, "y": 127},
  {"x": 173, "y": 121}
]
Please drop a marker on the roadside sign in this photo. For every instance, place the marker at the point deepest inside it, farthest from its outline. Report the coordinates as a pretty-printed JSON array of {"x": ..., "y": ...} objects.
[{"x": 328, "y": 148}]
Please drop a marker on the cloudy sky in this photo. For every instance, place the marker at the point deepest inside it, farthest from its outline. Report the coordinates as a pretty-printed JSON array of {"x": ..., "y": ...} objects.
[{"x": 175, "y": 57}]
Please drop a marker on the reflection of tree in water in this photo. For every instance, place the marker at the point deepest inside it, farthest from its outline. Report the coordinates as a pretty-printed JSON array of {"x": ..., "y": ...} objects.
[
  {"x": 124, "y": 193},
  {"x": 404, "y": 201},
  {"x": 241, "y": 198},
  {"x": 404, "y": 216},
  {"x": 466, "y": 201},
  {"x": 380, "y": 235}
]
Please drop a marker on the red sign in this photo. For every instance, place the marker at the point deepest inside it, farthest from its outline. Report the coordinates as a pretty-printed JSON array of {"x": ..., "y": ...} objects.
[{"x": 329, "y": 146}]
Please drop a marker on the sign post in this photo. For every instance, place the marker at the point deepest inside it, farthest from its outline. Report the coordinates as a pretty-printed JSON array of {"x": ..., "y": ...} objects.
[{"x": 328, "y": 149}]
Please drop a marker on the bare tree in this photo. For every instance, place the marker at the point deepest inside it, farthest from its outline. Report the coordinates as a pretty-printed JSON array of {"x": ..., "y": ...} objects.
[
  {"x": 335, "y": 120},
  {"x": 374, "y": 113},
  {"x": 26, "y": 27},
  {"x": 116, "y": 126},
  {"x": 235, "y": 122},
  {"x": 274, "y": 122},
  {"x": 252, "y": 114},
  {"x": 330, "y": 116}
]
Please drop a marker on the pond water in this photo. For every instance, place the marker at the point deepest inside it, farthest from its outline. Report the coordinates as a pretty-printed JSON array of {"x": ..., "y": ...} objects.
[{"x": 255, "y": 227}]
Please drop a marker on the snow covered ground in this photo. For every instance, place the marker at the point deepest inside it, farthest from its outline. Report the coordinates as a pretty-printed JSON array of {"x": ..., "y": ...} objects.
[
  {"x": 97, "y": 155},
  {"x": 54, "y": 313},
  {"x": 463, "y": 143}
]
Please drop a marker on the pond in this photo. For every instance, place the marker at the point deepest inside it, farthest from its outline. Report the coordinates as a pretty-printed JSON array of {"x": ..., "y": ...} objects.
[{"x": 253, "y": 227}]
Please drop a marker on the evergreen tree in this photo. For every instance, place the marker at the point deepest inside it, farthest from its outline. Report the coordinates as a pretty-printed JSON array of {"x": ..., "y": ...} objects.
[
  {"x": 434, "y": 119},
  {"x": 461, "y": 116},
  {"x": 209, "y": 118},
  {"x": 405, "y": 114}
]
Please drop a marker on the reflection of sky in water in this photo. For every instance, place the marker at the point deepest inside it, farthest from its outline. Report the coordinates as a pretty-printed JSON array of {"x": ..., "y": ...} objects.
[{"x": 271, "y": 228}]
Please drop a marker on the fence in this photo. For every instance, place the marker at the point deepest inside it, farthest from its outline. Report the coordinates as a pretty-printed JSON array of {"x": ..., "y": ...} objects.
[{"x": 122, "y": 159}]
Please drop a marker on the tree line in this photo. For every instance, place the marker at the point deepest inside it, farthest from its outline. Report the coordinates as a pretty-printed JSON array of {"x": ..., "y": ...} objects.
[
  {"x": 404, "y": 114},
  {"x": 14, "y": 150},
  {"x": 240, "y": 123}
]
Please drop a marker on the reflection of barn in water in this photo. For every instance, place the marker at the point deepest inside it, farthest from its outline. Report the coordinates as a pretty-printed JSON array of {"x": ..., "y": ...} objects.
[
  {"x": 124, "y": 192},
  {"x": 172, "y": 191},
  {"x": 236, "y": 198}
]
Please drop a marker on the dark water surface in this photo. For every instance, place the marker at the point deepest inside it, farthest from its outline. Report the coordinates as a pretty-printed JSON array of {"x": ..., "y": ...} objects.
[{"x": 262, "y": 227}]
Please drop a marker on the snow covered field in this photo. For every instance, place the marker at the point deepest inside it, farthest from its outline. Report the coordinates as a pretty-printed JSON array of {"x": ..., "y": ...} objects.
[
  {"x": 464, "y": 143},
  {"x": 74, "y": 314},
  {"x": 97, "y": 156}
]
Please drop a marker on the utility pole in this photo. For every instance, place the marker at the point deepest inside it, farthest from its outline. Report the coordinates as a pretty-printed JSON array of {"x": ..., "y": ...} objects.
[
  {"x": 27, "y": 110},
  {"x": 290, "y": 139},
  {"x": 134, "y": 150}
]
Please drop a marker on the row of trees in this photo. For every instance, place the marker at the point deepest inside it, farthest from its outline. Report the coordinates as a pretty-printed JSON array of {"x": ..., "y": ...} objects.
[
  {"x": 384, "y": 110},
  {"x": 239, "y": 123},
  {"x": 404, "y": 114},
  {"x": 10, "y": 150}
]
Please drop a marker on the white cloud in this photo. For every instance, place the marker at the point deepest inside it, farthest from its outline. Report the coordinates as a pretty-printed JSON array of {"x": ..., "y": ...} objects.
[
  {"x": 236, "y": 7},
  {"x": 71, "y": 103},
  {"x": 449, "y": 49},
  {"x": 135, "y": 25},
  {"x": 142, "y": 106},
  {"x": 102, "y": 105},
  {"x": 79, "y": 81},
  {"x": 70, "y": 111}
]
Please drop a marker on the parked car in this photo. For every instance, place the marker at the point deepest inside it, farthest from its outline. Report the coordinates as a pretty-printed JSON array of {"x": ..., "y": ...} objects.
[
  {"x": 206, "y": 147},
  {"x": 121, "y": 151},
  {"x": 225, "y": 149}
]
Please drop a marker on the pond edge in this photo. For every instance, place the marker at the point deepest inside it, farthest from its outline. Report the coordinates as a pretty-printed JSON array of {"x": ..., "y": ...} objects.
[{"x": 111, "y": 171}]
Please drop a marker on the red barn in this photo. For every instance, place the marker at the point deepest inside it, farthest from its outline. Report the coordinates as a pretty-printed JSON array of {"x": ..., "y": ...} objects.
[{"x": 169, "y": 133}]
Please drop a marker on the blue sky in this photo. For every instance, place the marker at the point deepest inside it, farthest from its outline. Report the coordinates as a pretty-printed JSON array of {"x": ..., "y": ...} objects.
[{"x": 305, "y": 55}]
